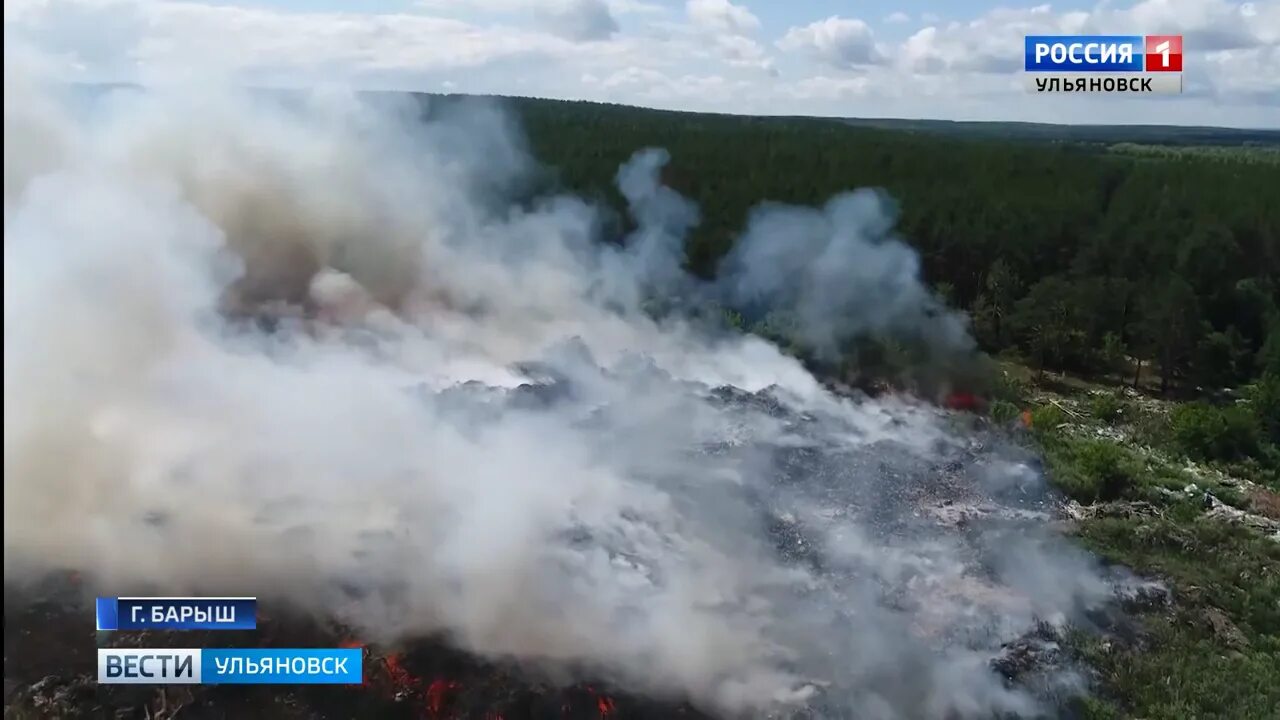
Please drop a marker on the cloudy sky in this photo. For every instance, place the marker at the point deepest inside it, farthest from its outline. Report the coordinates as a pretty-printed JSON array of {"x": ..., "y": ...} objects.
[{"x": 954, "y": 59}]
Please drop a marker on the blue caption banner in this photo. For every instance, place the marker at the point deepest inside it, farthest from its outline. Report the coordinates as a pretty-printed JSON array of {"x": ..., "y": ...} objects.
[
  {"x": 1084, "y": 53},
  {"x": 230, "y": 666},
  {"x": 271, "y": 666},
  {"x": 177, "y": 613}
]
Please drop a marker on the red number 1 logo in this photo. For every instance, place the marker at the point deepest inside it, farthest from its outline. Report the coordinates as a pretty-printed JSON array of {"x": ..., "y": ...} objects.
[{"x": 1163, "y": 53}]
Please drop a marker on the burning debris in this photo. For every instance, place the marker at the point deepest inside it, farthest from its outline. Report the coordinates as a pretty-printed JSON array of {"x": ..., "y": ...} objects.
[
  {"x": 423, "y": 680},
  {"x": 462, "y": 425}
]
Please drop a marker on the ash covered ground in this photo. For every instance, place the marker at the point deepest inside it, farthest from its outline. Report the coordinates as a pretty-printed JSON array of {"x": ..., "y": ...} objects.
[
  {"x": 334, "y": 354},
  {"x": 946, "y": 515}
]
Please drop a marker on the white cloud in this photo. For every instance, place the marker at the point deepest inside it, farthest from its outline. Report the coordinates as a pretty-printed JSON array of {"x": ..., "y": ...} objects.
[
  {"x": 230, "y": 38},
  {"x": 728, "y": 28},
  {"x": 823, "y": 87},
  {"x": 1207, "y": 24},
  {"x": 898, "y": 17},
  {"x": 578, "y": 19},
  {"x": 722, "y": 16},
  {"x": 704, "y": 56},
  {"x": 837, "y": 41},
  {"x": 993, "y": 42},
  {"x": 634, "y": 7},
  {"x": 616, "y": 7},
  {"x": 1252, "y": 74},
  {"x": 1233, "y": 57},
  {"x": 741, "y": 51},
  {"x": 658, "y": 88}
]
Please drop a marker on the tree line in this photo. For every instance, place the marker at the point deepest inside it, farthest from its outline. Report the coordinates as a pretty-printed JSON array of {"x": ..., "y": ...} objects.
[{"x": 1076, "y": 258}]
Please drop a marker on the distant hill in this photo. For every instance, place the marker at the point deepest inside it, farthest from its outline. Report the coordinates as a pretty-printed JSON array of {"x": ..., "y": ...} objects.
[
  {"x": 1172, "y": 135},
  {"x": 1051, "y": 132},
  {"x": 1106, "y": 134}
]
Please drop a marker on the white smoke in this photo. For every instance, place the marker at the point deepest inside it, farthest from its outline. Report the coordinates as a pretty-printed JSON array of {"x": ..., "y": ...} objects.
[
  {"x": 841, "y": 272},
  {"x": 297, "y": 348}
]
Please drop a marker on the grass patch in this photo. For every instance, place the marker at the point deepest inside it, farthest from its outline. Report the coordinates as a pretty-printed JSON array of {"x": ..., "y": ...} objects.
[
  {"x": 1181, "y": 672},
  {"x": 1264, "y": 471},
  {"x": 1046, "y": 419},
  {"x": 1210, "y": 562},
  {"x": 1093, "y": 470},
  {"x": 1217, "y": 654}
]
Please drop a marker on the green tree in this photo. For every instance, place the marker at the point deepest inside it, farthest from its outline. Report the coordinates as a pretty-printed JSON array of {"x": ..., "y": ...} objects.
[
  {"x": 1170, "y": 326},
  {"x": 1113, "y": 352},
  {"x": 1049, "y": 323},
  {"x": 1001, "y": 290},
  {"x": 1268, "y": 360},
  {"x": 1265, "y": 401},
  {"x": 1105, "y": 222},
  {"x": 1220, "y": 357}
]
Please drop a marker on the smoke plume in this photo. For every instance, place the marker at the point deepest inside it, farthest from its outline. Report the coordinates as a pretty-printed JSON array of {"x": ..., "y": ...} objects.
[
  {"x": 840, "y": 272},
  {"x": 310, "y": 349}
]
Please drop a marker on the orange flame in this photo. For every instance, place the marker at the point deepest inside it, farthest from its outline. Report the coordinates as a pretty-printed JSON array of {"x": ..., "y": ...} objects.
[
  {"x": 604, "y": 703},
  {"x": 436, "y": 693},
  {"x": 402, "y": 678}
]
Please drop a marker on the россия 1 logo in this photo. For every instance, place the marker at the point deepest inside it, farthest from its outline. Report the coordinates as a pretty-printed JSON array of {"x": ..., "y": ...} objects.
[
  {"x": 1164, "y": 53},
  {"x": 1129, "y": 64}
]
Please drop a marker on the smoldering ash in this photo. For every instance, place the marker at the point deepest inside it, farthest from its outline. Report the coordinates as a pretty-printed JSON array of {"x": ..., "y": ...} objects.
[{"x": 304, "y": 348}]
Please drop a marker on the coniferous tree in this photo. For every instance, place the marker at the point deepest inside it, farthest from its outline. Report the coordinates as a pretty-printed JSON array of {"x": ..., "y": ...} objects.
[{"x": 1170, "y": 326}]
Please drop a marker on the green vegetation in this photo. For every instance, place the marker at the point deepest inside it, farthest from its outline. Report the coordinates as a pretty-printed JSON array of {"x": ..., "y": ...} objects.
[
  {"x": 1067, "y": 254},
  {"x": 1095, "y": 470},
  {"x": 1166, "y": 136},
  {"x": 1216, "y": 652},
  {"x": 1205, "y": 432},
  {"x": 1246, "y": 153},
  {"x": 1110, "y": 408}
]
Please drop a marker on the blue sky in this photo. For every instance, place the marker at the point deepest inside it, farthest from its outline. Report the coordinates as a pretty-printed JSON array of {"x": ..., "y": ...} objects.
[{"x": 873, "y": 58}]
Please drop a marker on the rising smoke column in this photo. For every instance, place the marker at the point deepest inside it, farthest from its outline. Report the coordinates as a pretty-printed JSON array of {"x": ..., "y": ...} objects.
[
  {"x": 840, "y": 270},
  {"x": 303, "y": 348}
]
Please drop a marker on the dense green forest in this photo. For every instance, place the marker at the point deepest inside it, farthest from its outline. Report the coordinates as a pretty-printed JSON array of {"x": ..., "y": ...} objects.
[
  {"x": 1167, "y": 135},
  {"x": 1075, "y": 256}
]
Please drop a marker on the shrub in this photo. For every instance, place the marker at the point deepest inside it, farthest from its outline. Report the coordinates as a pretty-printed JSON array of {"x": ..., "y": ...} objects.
[
  {"x": 1205, "y": 432},
  {"x": 1103, "y": 471},
  {"x": 1150, "y": 427},
  {"x": 1093, "y": 470},
  {"x": 1109, "y": 408}
]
